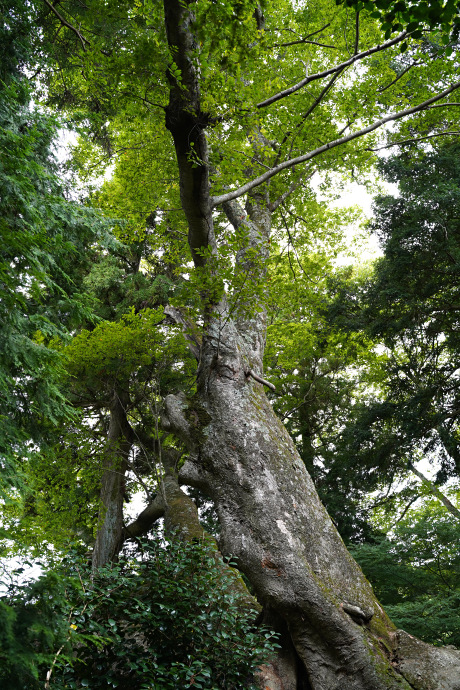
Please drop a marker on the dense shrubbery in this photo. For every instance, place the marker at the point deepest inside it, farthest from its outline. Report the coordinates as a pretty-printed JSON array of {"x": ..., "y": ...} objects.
[{"x": 163, "y": 618}]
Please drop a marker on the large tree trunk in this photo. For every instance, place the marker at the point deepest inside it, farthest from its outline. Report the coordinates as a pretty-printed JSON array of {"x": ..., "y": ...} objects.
[
  {"x": 271, "y": 518},
  {"x": 274, "y": 524}
]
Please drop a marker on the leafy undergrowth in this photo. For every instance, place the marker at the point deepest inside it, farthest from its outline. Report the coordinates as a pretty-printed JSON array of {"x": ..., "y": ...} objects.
[{"x": 163, "y": 617}]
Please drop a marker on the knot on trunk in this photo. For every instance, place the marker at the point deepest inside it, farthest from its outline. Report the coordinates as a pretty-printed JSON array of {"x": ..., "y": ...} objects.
[
  {"x": 358, "y": 615},
  {"x": 173, "y": 417}
]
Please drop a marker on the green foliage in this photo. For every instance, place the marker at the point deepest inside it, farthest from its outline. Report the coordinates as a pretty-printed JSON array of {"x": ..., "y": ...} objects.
[
  {"x": 44, "y": 241},
  {"x": 410, "y": 307},
  {"x": 411, "y": 15},
  {"x": 110, "y": 76},
  {"x": 166, "y": 617},
  {"x": 112, "y": 350},
  {"x": 415, "y": 572},
  {"x": 320, "y": 371},
  {"x": 33, "y": 627}
]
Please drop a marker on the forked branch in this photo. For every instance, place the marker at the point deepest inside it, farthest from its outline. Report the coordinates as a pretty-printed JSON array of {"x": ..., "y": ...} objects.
[
  {"x": 332, "y": 70},
  {"x": 64, "y": 22},
  {"x": 286, "y": 165}
]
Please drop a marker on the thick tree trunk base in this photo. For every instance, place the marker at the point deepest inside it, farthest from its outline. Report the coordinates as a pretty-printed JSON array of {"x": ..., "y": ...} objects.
[
  {"x": 426, "y": 667},
  {"x": 276, "y": 528}
]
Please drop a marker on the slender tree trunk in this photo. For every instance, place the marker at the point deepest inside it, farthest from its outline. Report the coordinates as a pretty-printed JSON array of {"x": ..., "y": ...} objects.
[{"x": 109, "y": 537}]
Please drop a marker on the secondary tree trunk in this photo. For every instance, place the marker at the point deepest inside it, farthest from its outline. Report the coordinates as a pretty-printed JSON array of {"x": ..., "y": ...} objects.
[{"x": 109, "y": 537}]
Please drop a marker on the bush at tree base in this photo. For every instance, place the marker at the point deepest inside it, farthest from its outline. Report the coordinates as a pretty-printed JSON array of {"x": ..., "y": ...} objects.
[{"x": 163, "y": 617}]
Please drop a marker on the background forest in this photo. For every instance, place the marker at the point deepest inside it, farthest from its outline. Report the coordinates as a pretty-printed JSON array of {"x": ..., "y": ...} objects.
[{"x": 104, "y": 305}]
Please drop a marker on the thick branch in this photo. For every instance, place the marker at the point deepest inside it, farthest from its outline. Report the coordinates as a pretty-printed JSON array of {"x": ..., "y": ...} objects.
[
  {"x": 153, "y": 512},
  {"x": 286, "y": 165},
  {"x": 331, "y": 70},
  {"x": 192, "y": 473},
  {"x": 259, "y": 379}
]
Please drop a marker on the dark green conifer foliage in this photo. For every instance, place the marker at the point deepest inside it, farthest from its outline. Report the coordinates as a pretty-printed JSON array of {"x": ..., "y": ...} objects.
[
  {"x": 415, "y": 572},
  {"x": 411, "y": 305},
  {"x": 45, "y": 241}
]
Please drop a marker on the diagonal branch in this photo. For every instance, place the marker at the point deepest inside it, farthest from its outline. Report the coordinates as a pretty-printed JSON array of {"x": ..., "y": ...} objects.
[
  {"x": 286, "y": 165},
  {"x": 414, "y": 140},
  {"x": 63, "y": 21},
  {"x": 435, "y": 491},
  {"x": 307, "y": 114},
  {"x": 443, "y": 105},
  {"x": 331, "y": 70},
  {"x": 303, "y": 41},
  {"x": 292, "y": 188},
  {"x": 398, "y": 77}
]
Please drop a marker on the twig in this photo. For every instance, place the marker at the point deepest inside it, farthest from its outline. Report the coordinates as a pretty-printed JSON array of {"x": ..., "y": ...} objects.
[
  {"x": 397, "y": 78},
  {"x": 414, "y": 140}
]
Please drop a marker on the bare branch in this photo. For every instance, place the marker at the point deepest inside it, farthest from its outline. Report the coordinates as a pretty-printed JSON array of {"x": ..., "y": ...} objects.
[
  {"x": 193, "y": 473},
  {"x": 414, "y": 140},
  {"x": 286, "y": 165},
  {"x": 259, "y": 379},
  {"x": 331, "y": 70},
  {"x": 63, "y": 21}
]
